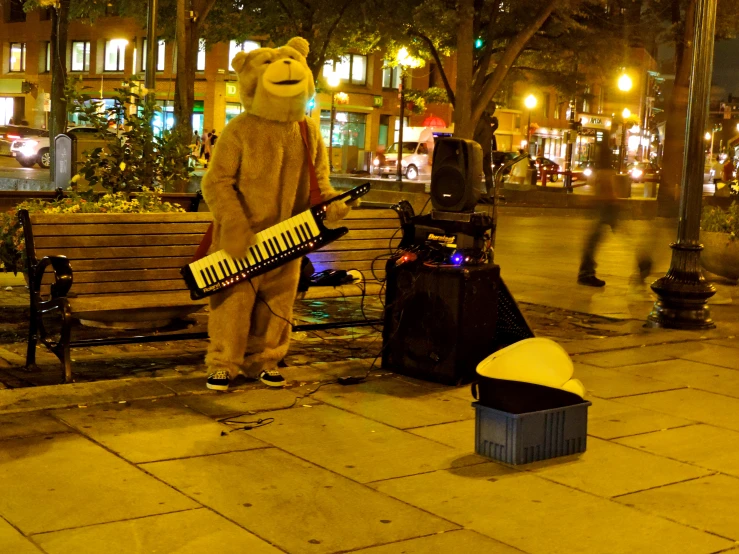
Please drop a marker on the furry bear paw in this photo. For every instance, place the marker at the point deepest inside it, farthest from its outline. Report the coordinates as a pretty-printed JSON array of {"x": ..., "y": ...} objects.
[
  {"x": 236, "y": 236},
  {"x": 337, "y": 211}
]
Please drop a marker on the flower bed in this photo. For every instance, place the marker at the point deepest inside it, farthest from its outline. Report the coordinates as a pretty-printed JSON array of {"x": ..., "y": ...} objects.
[
  {"x": 719, "y": 231},
  {"x": 12, "y": 243}
]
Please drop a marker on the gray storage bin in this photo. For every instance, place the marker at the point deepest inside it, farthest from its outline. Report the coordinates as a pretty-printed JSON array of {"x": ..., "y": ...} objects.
[{"x": 532, "y": 436}]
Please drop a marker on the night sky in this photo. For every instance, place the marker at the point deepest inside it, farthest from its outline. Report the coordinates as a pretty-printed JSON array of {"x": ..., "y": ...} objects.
[{"x": 726, "y": 66}]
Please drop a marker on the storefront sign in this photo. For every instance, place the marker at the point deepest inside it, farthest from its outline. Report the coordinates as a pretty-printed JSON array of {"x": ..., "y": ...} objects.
[
  {"x": 231, "y": 89},
  {"x": 377, "y": 101},
  {"x": 595, "y": 121},
  {"x": 11, "y": 86},
  {"x": 47, "y": 102}
]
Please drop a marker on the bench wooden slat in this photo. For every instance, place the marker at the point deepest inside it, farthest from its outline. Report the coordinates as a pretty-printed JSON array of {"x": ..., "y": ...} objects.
[
  {"x": 367, "y": 224},
  {"x": 349, "y": 255},
  {"x": 103, "y": 303},
  {"x": 169, "y": 217},
  {"x": 95, "y": 229},
  {"x": 117, "y": 276},
  {"x": 129, "y": 264},
  {"x": 117, "y": 241},
  {"x": 120, "y": 287},
  {"x": 345, "y": 244},
  {"x": 120, "y": 253},
  {"x": 373, "y": 214},
  {"x": 371, "y": 234}
]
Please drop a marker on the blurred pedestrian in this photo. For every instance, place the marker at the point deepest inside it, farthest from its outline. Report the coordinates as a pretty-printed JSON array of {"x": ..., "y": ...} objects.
[
  {"x": 728, "y": 170},
  {"x": 213, "y": 138},
  {"x": 207, "y": 148}
]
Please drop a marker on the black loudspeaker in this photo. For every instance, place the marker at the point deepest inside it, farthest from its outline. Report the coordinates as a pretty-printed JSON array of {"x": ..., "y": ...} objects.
[
  {"x": 440, "y": 321},
  {"x": 457, "y": 180}
]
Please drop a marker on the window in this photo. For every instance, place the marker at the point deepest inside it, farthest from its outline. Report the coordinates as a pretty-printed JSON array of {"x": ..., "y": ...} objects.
[
  {"x": 115, "y": 53},
  {"x": 17, "y": 14},
  {"x": 349, "y": 128},
  {"x": 236, "y": 47},
  {"x": 160, "y": 57},
  {"x": 232, "y": 110},
  {"x": 80, "y": 56},
  {"x": 200, "y": 64},
  {"x": 47, "y": 60},
  {"x": 390, "y": 77},
  {"x": 17, "y": 57},
  {"x": 351, "y": 69}
]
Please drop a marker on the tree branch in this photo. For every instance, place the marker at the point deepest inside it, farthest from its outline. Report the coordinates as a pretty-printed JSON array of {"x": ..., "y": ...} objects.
[
  {"x": 514, "y": 49},
  {"x": 202, "y": 9},
  {"x": 437, "y": 59},
  {"x": 322, "y": 55},
  {"x": 285, "y": 8}
]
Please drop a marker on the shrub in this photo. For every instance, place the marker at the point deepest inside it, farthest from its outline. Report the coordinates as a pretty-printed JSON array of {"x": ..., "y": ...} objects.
[{"x": 720, "y": 221}]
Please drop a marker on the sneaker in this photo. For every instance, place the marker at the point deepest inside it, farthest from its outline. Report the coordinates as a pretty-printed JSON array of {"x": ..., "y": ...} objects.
[
  {"x": 218, "y": 380},
  {"x": 591, "y": 281},
  {"x": 272, "y": 378}
]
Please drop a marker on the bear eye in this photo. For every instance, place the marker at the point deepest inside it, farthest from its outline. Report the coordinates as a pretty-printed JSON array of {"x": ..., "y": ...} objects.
[{"x": 291, "y": 57}]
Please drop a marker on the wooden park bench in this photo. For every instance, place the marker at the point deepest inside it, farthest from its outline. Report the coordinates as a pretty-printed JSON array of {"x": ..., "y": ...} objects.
[{"x": 112, "y": 269}]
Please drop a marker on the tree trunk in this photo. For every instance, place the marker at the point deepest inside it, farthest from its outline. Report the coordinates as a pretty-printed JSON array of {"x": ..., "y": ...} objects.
[
  {"x": 184, "y": 99},
  {"x": 677, "y": 108},
  {"x": 463, "y": 125},
  {"x": 58, "y": 114}
]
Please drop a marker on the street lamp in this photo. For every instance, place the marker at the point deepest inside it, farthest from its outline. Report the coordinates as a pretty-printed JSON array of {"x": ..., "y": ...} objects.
[
  {"x": 682, "y": 294},
  {"x": 626, "y": 114},
  {"x": 625, "y": 83},
  {"x": 405, "y": 60},
  {"x": 530, "y": 103},
  {"x": 333, "y": 80}
]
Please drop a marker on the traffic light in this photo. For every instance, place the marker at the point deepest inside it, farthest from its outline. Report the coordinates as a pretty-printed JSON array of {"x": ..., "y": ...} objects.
[{"x": 478, "y": 43}]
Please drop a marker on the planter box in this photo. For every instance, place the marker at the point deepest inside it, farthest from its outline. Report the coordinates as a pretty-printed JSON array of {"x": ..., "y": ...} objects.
[
  {"x": 532, "y": 436},
  {"x": 720, "y": 254}
]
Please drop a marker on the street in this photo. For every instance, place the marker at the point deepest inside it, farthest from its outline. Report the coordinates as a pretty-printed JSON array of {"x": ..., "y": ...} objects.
[{"x": 10, "y": 168}]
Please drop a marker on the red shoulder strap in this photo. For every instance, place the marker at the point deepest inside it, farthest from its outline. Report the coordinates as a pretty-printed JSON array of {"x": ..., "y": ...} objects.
[
  {"x": 315, "y": 194},
  {"x": 315, "y": 191}
]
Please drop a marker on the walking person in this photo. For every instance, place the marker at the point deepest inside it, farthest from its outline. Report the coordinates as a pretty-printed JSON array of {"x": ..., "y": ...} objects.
[
  {"x": 728, "y": 170},
  {"x": 207, "y": 149}
]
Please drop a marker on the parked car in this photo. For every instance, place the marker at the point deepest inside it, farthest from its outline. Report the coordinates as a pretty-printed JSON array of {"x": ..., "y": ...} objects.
[
  {"x": 644, "y": 172},
  {"x": 35, "y": 150},
  {"x": 502, "y": 158},
  {"x": 10, "y": 133},
  {"x": 545, "y": 164},
  {"x": 415, "y": 160}
]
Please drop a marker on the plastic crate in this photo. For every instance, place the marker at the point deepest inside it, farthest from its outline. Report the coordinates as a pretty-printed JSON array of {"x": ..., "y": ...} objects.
[{"x": 531, "y": 436}]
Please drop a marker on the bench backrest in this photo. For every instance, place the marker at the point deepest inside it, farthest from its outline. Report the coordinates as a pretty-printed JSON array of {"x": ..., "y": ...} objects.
[
  {"x": 134, "y": 253},
  {"x": 373, "y": 235},
  {"x": 120, "y": 253}
]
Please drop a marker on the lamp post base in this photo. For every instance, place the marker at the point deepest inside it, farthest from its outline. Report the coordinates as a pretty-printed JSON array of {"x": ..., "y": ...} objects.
[{"x": 683, "y": 293}]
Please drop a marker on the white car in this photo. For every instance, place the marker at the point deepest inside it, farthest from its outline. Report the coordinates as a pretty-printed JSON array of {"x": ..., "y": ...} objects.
[
  {"x": 35, "y": 150},
  {"x": 415, "y": 160}
]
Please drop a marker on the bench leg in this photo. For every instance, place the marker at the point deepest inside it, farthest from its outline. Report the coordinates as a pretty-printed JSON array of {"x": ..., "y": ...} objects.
[
  {"x": 63, "y": 346},
  {"x": 32, "y": 339}
]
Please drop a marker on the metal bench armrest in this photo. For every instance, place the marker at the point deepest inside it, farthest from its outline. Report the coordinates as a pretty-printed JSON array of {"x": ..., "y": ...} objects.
[{"x": 63, "y": 275}]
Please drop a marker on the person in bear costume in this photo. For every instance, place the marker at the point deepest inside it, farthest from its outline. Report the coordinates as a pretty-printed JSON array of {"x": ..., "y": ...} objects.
[{"x": 258, "y": 177}]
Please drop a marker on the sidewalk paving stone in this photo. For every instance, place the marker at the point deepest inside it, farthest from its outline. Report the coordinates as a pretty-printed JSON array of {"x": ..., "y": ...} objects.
[
  {"x": 356, "y": 447},
  {"x": 196, "y": 531},
  {"x": 703, "y": 445},
  {"x": 399, "y": 403},
  {"x": 697, "y": 405},
  {"x": 708, "y": 503},
  {"x": 30, "y": 423},
  {"x": 464, "y": 541},
  {"x": 729, "y": 342},
  {"x": 294, "y": 504},
  {"x": 74, "y": 394},
  {"x": 12, "y": 542},
  {"x": 713, "y": 354},
  {"x": 607, "y": 469},
  {"x": 608, "y": 419},
  {"x": 631, "y": 356},
  {"x": 459, "y": 434},
  {"x": 541, "y": 517},
  {"x": 60, "y": 481},
  {"x": 148, "y": 431},
  {"x": 240, "y": 401},
  {"x": 696, "y": 375},
  {"x": 608, "y": 383}
]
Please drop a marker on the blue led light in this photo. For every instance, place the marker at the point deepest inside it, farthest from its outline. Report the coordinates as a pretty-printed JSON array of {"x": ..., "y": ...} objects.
[{"x": 457, "y": 259}]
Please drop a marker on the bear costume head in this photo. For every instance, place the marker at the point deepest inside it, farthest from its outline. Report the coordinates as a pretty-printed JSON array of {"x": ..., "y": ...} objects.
[{"x": 275, "y": 83}]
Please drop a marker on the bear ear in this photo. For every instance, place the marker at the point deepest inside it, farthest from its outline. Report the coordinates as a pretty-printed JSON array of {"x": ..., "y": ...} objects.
[
  {"x": 299, "y": 44},
  {"x": 239, "y": 61}
]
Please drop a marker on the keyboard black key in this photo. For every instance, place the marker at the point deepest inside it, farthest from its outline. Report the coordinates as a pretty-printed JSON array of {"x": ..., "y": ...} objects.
[
  {"x": 223, "y": 269},
  {"x": 292, "y": 240},
  {"x": 211, "y": 274},
  {"x": 228, "y": 268},
  {"x": 205, "y": 277}
]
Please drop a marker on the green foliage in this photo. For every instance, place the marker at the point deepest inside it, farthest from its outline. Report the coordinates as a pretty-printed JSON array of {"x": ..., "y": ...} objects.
[
  {"x": 133, "y": 155},
  {"x": 12, "y": 241},
  {"x": 417, "y": 100},
  {"x": 720, "y": 221}
]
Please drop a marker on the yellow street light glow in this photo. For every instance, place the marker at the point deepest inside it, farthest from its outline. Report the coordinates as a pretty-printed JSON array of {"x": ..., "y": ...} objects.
[
  {"x": 708, "y": 135},
  {"x": 626, "y": 113},
  {"x": 119, "y": 43},
  {"x": 333, "y": 80},
  {"x": 625, "y": 83},
  {"x": 737, "y": 126},
  {"x": 530, "y": 101},
  {"x": 406, "y": 60}
]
